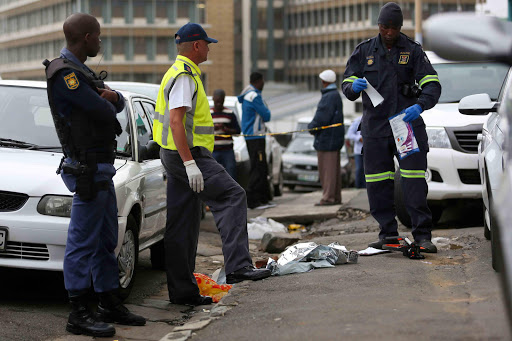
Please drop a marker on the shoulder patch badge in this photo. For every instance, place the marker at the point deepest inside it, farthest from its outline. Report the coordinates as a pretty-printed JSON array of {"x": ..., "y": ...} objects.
[
  {"x": 71, "y": 81},
  {"x": 404, "y": 59},
  {"x": 187, "y": 68}
]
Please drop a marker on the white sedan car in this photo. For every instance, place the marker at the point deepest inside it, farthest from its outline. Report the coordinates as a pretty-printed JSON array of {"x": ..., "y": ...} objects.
[{"x": 35, "y": 205}]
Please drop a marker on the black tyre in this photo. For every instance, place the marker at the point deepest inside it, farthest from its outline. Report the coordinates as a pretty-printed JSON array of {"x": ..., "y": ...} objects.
[
  {"x": 278, "y": 189},
  {"x": 128, "y": 258},
  {"x": 497, "y": 260},
  {"x": 437, "y": 212},
  {"x": 487, "y": 227},
  {"x": 158, "y": 255},
  {"x": 487, "y": 214}
]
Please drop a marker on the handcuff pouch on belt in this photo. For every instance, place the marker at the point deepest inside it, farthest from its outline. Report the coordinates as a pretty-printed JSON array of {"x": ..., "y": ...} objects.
[{"x": 86, "y": 187}]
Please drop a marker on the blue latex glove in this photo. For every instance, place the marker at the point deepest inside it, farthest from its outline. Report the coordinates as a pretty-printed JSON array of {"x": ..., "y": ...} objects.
[
  {"x": 359, "y": 85},
  {"x": 412, "y": 113}
]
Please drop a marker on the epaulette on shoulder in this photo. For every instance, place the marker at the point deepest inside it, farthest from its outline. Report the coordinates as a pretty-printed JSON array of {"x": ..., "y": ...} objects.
[
  {"x": 364, "y": 42},
  {"x": 413, "y": 41}
]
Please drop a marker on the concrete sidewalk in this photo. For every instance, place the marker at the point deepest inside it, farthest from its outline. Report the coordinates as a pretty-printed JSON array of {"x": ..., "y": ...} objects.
[{"x": 167, "y": 321}]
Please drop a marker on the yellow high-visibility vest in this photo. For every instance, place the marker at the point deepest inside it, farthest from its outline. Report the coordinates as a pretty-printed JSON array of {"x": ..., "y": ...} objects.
[{"x": 197, "y": 121}]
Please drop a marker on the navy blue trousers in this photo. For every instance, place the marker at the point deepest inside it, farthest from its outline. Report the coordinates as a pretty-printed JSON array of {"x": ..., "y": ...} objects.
[
  {"x": 92, "y": 237},
  {"x": 378, "y": 156},
  {"x": 227, "y": 159}
]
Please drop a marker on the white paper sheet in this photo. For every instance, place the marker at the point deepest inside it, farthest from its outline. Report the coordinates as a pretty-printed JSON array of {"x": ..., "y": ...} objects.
[{"x": 374, "y": 95}]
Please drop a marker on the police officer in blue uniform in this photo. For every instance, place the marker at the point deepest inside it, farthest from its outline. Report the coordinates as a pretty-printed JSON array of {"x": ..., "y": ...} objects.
[
  {"x": 84, "y": 112},
  {"x": 398, "y": 68}
]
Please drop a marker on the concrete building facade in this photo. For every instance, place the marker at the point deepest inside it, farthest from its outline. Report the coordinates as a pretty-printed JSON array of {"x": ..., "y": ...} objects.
[{"x": 137, "y": 37}]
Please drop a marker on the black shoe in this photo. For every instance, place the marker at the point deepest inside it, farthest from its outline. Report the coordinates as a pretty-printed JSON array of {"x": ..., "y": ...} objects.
[
  {"x": 247, "y": 273},
  {"x": 427, "y": 246},
  {"x": 378, "y": 244},
  {"x": 111, "y": 310},
  {"x": 193, "y": 301},
  {"x": 81, "y": 321},
  {"x": 120, "y": 315}
]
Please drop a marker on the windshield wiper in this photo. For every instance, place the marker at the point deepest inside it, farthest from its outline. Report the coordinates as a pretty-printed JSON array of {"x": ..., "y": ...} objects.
[{"x": 15, "y": 143}]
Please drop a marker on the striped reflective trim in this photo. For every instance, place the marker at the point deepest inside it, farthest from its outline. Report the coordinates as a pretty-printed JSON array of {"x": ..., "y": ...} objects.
[
  {"x": 350, "y": 79},
  {"x": 204, "y": 130},
  {"x": 380, "y": 176},
  {"x": 175, "y": 68},
  {"x": 428, "y": 78},
  {"x": 166, "y": 121},
  {"x": 407, "y": 173}
]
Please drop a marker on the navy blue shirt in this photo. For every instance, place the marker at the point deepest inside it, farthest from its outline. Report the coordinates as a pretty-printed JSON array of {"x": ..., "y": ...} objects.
[
  {"x": 329, "y": 111},
  {"x": 387, "y": 71}
]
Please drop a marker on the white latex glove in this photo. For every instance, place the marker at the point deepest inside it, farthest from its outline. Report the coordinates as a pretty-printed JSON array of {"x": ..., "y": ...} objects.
[{"x": 195, "y": 177}]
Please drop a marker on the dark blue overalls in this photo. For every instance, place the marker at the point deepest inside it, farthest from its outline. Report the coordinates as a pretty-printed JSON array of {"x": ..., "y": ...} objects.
[
  {"x": 387, "y": 71},
  {"x": 93, "y": 229}
]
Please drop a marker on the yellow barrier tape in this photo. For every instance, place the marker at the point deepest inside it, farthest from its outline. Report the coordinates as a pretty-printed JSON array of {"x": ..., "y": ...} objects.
[{"x": 288, "y": 132}]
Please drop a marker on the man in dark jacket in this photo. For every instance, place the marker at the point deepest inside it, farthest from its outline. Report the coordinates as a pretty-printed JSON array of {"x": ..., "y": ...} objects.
[{"x": 328, "y": 142}]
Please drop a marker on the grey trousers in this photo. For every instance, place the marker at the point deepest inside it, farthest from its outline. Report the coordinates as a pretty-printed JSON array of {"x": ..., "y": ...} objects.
[
  {"x": 330, "y": 175},
  {"x": 228, "y": 204}
]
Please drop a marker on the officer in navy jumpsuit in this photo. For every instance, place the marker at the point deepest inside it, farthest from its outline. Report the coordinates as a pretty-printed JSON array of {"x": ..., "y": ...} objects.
[
  {"x": 392, "y": 63},
  {"x": 90, "y": 113}
]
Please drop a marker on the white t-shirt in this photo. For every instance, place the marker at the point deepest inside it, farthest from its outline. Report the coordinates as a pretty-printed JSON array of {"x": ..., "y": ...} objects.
[{"x": 182, "y": 92}]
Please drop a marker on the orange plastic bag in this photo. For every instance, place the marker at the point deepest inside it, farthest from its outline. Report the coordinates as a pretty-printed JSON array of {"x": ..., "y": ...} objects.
[{"x": 208, "y": 287}]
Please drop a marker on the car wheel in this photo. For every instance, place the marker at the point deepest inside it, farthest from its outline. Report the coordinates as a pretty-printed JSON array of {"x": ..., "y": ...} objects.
[
  {"x": 400, "y": 210},
  {"x": 278, "y": 189},
  {"x": 158, "y": 255},
  {"x": 128, "y": 258},
  {"x": 290, "y": 187},
  {"x": 497, "y": 260},
  {"x": 437, "y": 211}
]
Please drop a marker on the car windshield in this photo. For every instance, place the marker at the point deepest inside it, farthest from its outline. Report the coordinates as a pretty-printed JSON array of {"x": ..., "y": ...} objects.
[
  {"x": 27, "y": 121},
  {"x": 301, "y": 144},
  {"x": 463, "y": 79}
]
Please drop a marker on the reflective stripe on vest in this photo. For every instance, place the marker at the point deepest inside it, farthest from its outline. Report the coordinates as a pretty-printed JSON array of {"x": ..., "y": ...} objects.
[{"x": 198, "y": 122}]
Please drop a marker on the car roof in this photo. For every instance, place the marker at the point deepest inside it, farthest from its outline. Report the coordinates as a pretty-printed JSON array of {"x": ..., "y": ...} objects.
[
  {"x": 42, "y": 85},
  {"x": 24, "y": 83}
]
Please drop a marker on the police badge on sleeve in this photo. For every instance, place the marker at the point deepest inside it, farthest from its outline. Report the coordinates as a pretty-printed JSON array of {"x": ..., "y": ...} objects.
[{"x": 71, "y": 81}]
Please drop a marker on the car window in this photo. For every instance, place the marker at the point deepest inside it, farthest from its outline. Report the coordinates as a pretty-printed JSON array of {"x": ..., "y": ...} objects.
[
  {"x": 463, "y": 79},
  {"x": 301, "y": 145},
  {"x": 25, "y": 115},
  {"x": 149, "y": 108},
  {"x": 142, "y": 125},
  {"x": 124, "y": 140}
]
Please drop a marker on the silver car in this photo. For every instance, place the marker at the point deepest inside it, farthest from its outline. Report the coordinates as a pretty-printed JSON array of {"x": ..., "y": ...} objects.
[
  {"x": 468, "y": 37},
  {"x": 35, "y": 205}
]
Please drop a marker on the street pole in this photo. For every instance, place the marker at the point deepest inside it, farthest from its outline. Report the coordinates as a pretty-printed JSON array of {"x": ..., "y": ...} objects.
[{"x": 418, "y": 19}]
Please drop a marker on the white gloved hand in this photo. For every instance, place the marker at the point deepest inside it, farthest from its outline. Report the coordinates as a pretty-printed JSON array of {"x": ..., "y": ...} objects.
[{"x": 195, "y": 177}]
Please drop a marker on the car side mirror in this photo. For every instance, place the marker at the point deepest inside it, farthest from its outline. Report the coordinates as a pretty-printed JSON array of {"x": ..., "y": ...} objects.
[
  {"x": 479, "y": 104},
  {"x": 152, "y": 150}
]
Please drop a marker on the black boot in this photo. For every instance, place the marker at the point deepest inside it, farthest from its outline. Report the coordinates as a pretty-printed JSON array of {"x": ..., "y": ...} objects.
[
  {"x": 111, "y": 310},
  {"x": 81, "y": 321}
]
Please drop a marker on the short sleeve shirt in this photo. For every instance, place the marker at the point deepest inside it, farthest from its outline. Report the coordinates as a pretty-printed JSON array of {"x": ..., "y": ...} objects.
[{"x": 181, "y": 93}]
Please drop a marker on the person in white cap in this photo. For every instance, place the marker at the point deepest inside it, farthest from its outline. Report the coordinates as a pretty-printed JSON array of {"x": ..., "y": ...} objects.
[{"x": 329, "y": 141}]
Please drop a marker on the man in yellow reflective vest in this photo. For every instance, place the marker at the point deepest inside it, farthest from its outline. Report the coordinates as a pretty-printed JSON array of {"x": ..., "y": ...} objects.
[{"x": 183, "y": 127}]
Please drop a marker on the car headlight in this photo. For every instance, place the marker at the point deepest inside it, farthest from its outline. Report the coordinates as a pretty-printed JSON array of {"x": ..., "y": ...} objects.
[
  {"x": 438, "y": 138},
  {"x": 59, "y": 206}
]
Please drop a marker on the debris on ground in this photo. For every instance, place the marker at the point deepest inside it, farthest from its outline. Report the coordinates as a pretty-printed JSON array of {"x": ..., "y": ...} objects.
[
  {"x": 303, "y": 257},
  {"x": 258, "y": 226},
  {"x": 277, "y": 242},
  {"x": 208, "y": 287},
  {"x": 370, "y": 251}
]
